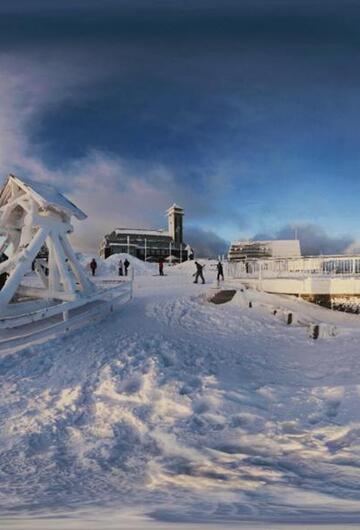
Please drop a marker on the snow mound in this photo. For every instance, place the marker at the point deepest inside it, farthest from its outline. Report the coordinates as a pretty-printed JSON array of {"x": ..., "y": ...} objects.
[
  {"x": 141, "y": 268},
  {"x": 189, "y": 267},
  {"x": 186, "y": 410},
  {"x": 109, "y": 267}
]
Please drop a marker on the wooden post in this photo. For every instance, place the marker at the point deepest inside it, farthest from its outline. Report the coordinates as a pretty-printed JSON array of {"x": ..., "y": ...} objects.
[{"x": 23, "y": 265}]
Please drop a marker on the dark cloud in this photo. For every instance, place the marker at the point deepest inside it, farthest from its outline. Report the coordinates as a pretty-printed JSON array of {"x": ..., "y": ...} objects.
[
  {"x": 179, "y": 5},
  {"x": 233, "y": 109},
  {"x": 314, "y": 240},
  {"x": 257, "y": 23},
  {"x": 207, "y": 244}
]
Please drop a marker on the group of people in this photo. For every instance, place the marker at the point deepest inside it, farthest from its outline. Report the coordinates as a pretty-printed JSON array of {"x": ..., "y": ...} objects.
[
  {"x": 198, "y": 274},
  {"x": 122, "y": 268}
]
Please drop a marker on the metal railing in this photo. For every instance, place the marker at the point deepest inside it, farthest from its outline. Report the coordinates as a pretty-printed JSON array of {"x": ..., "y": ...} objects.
[{"x": 333, "y": 266}]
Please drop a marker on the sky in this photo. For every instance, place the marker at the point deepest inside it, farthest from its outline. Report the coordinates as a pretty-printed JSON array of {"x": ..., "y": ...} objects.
[{"x": 244, "y": 112}]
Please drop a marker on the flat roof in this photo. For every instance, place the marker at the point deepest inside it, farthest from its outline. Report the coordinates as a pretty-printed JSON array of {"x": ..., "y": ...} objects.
[
  {"x": 265, "y": 242},
  {"x": 141, "y": 231}
]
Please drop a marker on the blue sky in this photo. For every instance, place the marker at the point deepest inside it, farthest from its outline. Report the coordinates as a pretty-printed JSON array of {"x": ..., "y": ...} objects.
[{"x": 244, "y": 112}]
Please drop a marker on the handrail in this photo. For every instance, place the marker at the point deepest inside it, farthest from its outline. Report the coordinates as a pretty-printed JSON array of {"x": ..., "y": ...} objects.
[
  {"x": 9, "y": 321},
  {"x": 327, "y": 266}
]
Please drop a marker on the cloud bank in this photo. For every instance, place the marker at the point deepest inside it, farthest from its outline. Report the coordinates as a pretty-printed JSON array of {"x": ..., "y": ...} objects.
[
  {"x": 112, "y": 190},
  {"x": 314, "y": 240},
  {"x": 126, "y": 114},
  {"x": 207, "y": 244}
]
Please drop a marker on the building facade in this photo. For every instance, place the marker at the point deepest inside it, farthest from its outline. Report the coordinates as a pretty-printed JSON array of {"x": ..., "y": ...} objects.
[
  {"x": 150, "y": 245},
  {"x": 246, "y": 250}
]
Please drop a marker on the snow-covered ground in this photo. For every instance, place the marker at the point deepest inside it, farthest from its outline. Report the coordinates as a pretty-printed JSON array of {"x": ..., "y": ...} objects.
[{"x": 175, "y": 410}]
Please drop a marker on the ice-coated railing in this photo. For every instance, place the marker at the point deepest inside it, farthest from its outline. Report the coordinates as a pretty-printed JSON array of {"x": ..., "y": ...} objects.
[{"x": 295, "y": 267}]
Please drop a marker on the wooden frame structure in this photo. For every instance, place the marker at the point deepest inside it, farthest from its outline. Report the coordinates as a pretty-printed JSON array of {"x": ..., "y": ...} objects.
[{"x": 34, "y": 216}]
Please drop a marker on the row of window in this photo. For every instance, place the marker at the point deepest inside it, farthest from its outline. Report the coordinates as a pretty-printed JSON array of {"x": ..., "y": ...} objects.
[
  {"x": 156, "y": 252},
  {"x": 140, "y": 240}
]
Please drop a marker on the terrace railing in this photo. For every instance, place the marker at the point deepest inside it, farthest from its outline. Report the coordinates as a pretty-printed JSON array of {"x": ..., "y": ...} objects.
[{"x": 332, "y": 266}]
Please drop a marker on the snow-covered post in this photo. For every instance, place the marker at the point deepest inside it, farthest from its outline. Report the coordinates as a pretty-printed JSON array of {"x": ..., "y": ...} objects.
[
  {"x": 260, "y": 274},
  {"x": 132, "y": 274},
  {"x": 145, "y": 253},
  {"x": 128, "y": 244},
  {"x": 23, "y": 265}
]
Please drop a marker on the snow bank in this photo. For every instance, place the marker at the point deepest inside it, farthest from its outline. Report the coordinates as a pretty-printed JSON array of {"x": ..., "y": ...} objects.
[
  {"x": 185, "y": 410},
  {"x": 109, "y": 267},
  {"x": 188, "y": 268}
]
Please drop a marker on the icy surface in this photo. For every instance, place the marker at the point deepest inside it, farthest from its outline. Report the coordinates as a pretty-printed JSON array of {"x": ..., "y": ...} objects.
[{"x": 178, "y": 410}]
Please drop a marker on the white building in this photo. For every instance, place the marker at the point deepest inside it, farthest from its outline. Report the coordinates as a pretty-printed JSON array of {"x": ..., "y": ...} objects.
[
  {"x": 150, "y": 245},
  {"x": 280, "y": 248}
]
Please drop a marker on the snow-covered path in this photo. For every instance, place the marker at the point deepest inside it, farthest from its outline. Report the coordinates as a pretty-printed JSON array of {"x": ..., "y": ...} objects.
[{"x": 185, "y": 411}]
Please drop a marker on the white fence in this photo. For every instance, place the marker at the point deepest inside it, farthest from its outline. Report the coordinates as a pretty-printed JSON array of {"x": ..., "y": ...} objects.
[{"x": 328, "y": 266}]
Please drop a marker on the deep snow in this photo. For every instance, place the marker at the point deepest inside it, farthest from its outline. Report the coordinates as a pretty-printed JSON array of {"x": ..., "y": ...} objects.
[{"x": 184, "y": 411}]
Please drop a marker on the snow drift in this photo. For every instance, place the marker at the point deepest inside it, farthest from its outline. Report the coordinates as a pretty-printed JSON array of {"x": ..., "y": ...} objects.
[
  {"x": 186, "y": 410},
  {"x": 110, "y": 266}
]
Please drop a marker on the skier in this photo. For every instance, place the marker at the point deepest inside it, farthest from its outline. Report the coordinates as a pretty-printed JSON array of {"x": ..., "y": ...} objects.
[
  {"x": 161, "y": 267},
  {"x": 120, "y": 268},
  {"x": 199, "y": 272},
  {"x": 126, "y": 266},
  {"x": 220, "y": 271},
  {"x": 93, "y": 266}
]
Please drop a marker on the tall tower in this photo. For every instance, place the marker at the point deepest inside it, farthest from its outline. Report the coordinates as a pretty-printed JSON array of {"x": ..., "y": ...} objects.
[{"x": 175, "y": 218}]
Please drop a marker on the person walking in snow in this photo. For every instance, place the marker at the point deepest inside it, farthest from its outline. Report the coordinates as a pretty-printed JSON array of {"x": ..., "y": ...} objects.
[
  {"x": 93, "y": 266},
  {"x": 126, "y": 266},
  {"x": 199, "y": 272},
  {"x": 120, "y": 268},
  {"x": 161, "y": 267},
  {"x": 220, "y": 271}
]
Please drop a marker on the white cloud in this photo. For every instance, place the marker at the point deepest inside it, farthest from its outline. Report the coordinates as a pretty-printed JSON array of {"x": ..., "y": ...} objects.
[
  {"x": 112, "y": 196},
  {"x": 112, "y": 191},
  {"x": 101, "y": 184}
]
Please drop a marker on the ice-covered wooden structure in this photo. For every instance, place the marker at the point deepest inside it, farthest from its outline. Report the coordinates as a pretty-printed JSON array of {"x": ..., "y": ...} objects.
[{"x": 59, "y": 296}]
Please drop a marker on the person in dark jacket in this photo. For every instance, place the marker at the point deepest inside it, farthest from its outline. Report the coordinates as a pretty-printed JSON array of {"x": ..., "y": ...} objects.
[
  {"x": 161, "y": 267},
  {"x": 199, "y": 272},
  {"x": 93, "y": 266},
  {"x": 126, "y": 266},
  {"x": 4, "y": 275},
  {"x": 120, "y": 268},
  {"x": 220, "y": 271}
]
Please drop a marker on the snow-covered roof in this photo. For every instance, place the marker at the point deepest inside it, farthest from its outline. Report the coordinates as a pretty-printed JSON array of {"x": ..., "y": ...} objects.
[
  {"x": 45, "y": 196},
  {"x": 263, "y": 241},
  {"x": 141, "y": 231},
  {"x": 174, "y": 207},
  {"x": 277, "y": 247}
]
